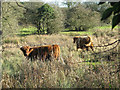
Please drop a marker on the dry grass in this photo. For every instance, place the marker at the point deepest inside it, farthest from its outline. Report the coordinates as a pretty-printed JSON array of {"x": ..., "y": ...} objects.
[{"x": 74, "y": 69}]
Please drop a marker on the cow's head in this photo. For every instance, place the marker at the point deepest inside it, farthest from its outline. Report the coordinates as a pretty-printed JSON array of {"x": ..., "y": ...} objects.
[
  {"x": 25, "y": 50},
  {"x": 75, "y": 39}
]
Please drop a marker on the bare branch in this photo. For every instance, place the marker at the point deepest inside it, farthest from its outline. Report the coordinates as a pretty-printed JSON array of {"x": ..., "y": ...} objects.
[
  {"x": 27, "y": 9},
  {"x": 109, "y": 44},
  {"x": 108, "y": 49}
]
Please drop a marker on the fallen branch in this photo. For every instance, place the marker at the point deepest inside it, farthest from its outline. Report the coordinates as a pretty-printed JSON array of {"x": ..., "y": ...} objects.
[
  {"x": 109, "y": 44},
  {"x": 109, "y": 49}
]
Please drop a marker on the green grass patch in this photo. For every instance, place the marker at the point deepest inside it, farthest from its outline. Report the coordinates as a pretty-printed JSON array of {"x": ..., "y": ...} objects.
[
  {"x": 106, "y": 27},
  {"x": 27, "y": 31},
  {"x": 93, "y": 63},
  {"x": 32, "y": 30},
  {"x": 72, "y": 33},
  {"x": 10, "y": 41}
]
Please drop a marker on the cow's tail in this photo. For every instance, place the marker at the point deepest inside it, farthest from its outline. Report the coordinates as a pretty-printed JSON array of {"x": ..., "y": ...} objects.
[
  {"x": 91, "y": 43},
  {"x": 89, "y": 39},
  {"x": 59, "y": 51},
  {"x": 61, "y": 59}
]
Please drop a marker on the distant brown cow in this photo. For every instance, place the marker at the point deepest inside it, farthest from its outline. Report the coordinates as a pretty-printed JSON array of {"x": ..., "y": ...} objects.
[
  {"x": 83, "y": 42},
  {"x": 41, "y": 52}
]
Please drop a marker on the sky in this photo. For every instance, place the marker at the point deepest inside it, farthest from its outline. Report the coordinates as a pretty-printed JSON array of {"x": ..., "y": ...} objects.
[
  {"x": 62, "y": 5},
  {"x": 68, "y": 0},
  {"x": 58, "y": 2},
  {"x": 50, "y": 0},
  {"x": 46, "y": 1}
]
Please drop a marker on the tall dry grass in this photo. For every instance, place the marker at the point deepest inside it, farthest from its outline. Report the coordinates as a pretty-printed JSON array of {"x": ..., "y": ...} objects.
[{"x": 74, "y": 69}]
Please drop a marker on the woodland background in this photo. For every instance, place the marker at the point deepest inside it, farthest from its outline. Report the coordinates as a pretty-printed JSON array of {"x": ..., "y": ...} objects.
[{"x": 35, "y": 24}]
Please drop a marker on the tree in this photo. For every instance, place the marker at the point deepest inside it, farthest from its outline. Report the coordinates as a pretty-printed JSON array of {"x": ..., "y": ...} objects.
[
  {"x": 95, "y": 7},
  {"x": 80, "y": 18},
  {"x": 44, "y": 17},
  {"x": 69, "y": 4},
  {"x": 56, "y": 24},
  {"x": 30, "y": 14},
  {"x": 10, "y": 15},
  {"x": 45, "y": 13},
  {"x": 100, "y": 9},
  {"x": 113, "y": 10}
]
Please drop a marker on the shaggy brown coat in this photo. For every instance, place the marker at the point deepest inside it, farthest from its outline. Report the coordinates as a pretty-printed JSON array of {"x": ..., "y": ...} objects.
[
  {"x": 41, "y": 52},
  {"x": 56, "y": 51},
  {"x": 83, "y": 42}
]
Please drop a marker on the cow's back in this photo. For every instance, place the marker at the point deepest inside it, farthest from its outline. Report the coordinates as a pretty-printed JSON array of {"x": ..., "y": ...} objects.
[
  {"x": 84, "y": 39},
  {"x": 45, "y": 52}
]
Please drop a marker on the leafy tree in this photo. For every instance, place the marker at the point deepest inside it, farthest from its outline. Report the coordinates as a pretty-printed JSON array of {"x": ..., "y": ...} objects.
[
  {"x": 95, "y": 7},
  {"x": 42, "y": 18},
  {"x": 65, "y": 13},
  {"x": 0, "y": 16},
  {"x": 10, "y": 15},
  {"x": 100, "y": 9},
  {"x": 56, "y": 24},
  {"x": 45, "y": 13},
  {"x": 80, "y": 18},
  {"x": 69, "y": 4},
  {"x": 30, "y": 14},
  {"x": 113, "y": 10}
]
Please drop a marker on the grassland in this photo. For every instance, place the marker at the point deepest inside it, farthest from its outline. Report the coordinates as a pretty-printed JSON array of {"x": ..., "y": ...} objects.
[{"x": 74, "y": 69}]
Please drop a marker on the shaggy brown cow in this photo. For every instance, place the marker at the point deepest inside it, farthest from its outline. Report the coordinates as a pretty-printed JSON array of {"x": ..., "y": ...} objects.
[
  {"x": 41, "y": 52},
  {"x": 83, "y": 42}
]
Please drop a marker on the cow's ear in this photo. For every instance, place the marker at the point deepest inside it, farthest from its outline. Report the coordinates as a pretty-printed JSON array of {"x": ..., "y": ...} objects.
[
  {"x": 21, "y": 48},
  {"x": 30, "y": 49}
]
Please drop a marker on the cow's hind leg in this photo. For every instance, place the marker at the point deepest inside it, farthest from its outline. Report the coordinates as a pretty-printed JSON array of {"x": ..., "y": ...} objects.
[
  {"x": 77, "y": 48},
  {"x": 87, "y": 48},
  {"x": 31, "y": 58},
  {"x": 92, "y": 48},
  {"x": 49, "y": 57}
]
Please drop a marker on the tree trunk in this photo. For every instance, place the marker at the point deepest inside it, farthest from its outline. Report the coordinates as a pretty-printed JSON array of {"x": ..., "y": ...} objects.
[
  {"x": 43, "y": 29},
  {"x": 118, "y": 52},
  {"x": 75, "y": 28},
  {"x": 79, "y": 28},
  {"x": 38, "y": 28},
  {"x": 47, "y": 27}
]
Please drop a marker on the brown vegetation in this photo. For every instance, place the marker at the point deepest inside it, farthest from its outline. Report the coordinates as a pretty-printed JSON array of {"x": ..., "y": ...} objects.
[{"x": 73, "y": 69}]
